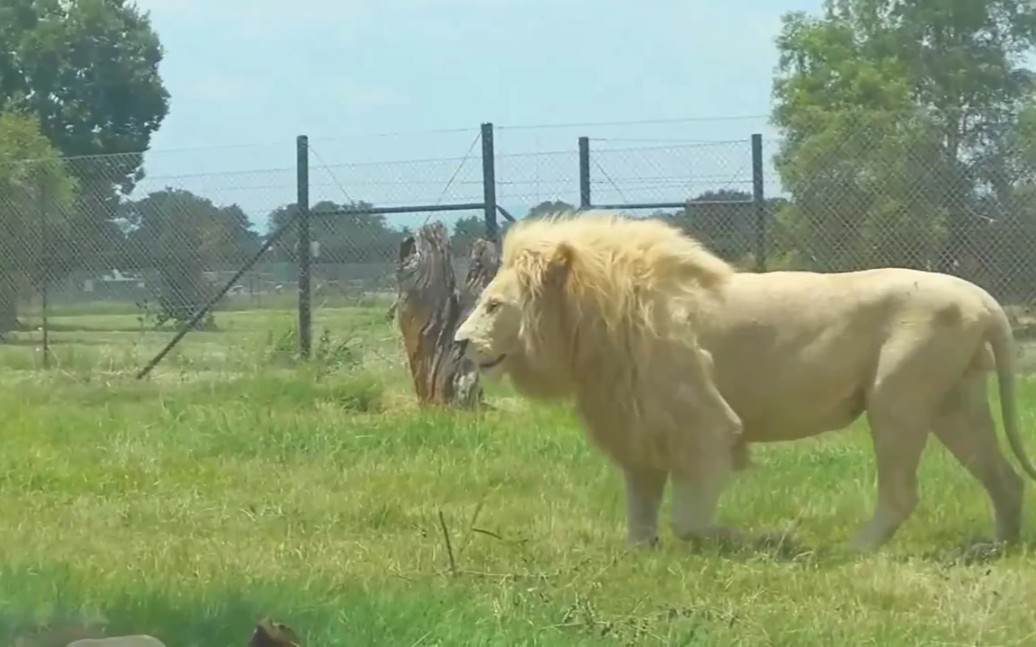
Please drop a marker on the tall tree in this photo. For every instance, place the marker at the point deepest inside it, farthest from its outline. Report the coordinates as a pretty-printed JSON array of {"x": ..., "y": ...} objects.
[
  {"x": 725, "y": 220},
  {"x": 88, "y": 69},
  {"x": 466, "y": 231},
  {"x": 548, "y": 207},
  {"x": 182, "y": 236},
  {"x": 893, "y": 113},
  {"x": 343, "y": 238},
  {"x": 219, "y": 237},
  {"x": 35, "y": 189}
]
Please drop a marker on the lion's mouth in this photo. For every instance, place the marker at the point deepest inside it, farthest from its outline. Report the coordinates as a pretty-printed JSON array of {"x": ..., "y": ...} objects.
[{"x": 491, "y": 363}]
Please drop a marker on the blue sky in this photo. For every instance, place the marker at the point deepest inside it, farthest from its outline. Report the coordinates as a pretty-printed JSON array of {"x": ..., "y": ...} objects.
[{"x": 247, "y": 76}]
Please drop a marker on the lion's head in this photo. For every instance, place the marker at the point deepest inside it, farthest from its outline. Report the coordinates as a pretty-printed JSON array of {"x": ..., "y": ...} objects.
[
  {"x": 603, "y": 308},
  {"x": 516, "y": 327}
]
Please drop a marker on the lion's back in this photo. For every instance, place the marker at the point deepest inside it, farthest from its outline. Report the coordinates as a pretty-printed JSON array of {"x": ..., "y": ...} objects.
[{"x": 882, "y": 290}]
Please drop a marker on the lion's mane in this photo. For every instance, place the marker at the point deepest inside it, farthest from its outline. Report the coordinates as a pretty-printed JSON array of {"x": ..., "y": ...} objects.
[{"x": 609, "y": 310}]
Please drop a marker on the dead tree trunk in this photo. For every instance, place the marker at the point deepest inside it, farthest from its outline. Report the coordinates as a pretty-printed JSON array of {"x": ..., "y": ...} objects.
[{"x": 429, "y": 307}]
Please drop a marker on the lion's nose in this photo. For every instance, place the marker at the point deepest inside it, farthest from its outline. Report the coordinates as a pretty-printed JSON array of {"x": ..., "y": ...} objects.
[{"x": 462, "y": 344}]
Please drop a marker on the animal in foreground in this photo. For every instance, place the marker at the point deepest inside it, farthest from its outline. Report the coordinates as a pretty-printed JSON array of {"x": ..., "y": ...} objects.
[
  {"x": 676, "y": 362},
  {"x": 274, "y": 634}
]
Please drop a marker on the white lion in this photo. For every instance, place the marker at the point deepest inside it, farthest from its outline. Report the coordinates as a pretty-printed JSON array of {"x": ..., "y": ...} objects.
[{"x": 676, "y": 361}]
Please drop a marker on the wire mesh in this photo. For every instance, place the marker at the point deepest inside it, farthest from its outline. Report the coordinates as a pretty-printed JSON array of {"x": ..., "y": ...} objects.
[
  {"x": 105, "y": 265},
  {"x": 705, "y": 188},
  {"x": 535, "y": 182},
  {"x": 354, "y": 253},
  {"x": 99, "y": 268},
  {"x": 859, "y": 194},
  {"x": 670, "y": 173}
]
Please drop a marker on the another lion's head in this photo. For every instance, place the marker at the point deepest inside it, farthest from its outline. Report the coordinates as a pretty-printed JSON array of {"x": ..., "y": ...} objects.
[{"x": 602, "y": 308}]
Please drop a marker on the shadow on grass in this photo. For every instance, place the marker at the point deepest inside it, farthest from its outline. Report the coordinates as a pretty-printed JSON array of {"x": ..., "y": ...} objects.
[
  {"x": 36, "y": 327},
  {"x": 784, "y": 547},
  {"x": 53, "y": 327},
  {"x": 145, "y": 330},
  {"x": 773, "y": 546},
  {"x": 59, "y": 341},
  {"x": 320, "y": 612},
  {"x": 356, "y": 392},
  {"x": 976, "y": 551}
]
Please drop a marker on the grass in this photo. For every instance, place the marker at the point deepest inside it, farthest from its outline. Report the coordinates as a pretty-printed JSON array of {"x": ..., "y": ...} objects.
[{"x": 235, "y": 484}]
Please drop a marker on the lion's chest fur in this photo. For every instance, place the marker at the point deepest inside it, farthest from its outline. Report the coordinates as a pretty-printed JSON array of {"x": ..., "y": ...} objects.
[{"x": 640, "y": 413}]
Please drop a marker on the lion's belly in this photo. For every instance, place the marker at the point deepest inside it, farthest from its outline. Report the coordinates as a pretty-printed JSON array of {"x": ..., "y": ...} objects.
[
  {"x": 796, "y": 418},
  {"x": 792, "y": 367},
  {"x": 796, "y": 405}
]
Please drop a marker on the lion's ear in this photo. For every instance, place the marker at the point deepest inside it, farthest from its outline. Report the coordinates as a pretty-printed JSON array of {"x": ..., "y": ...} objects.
[{"x": 559, "y": 265}]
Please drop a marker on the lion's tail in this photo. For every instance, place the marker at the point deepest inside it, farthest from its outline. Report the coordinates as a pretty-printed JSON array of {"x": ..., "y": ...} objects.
[{"x": 1001, "y": 338}]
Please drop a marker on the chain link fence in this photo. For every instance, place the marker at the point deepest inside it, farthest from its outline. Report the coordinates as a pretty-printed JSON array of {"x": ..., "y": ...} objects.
[
  {"x": 712, "y": 190},
  {"x": 99, "y": 268},
  {"x": 863, "y": 193},
  {"x": 355, "y": 243},
  {"x": 102, "y": 270}
]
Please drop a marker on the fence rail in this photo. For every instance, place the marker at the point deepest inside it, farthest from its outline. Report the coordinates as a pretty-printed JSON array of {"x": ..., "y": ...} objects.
[{"x": 92, "y": 257}]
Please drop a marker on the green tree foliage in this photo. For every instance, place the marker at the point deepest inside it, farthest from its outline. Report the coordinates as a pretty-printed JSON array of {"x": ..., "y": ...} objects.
[
  {"x": 466, "y": 231},
  {"x": 184, "y": 235},
  {"x": 88, "y": 69},
  {"x": 548, "y": 207},
  {"x": 900, "y": 120},
  {"x": 726, "y": 221},
  {"x": 470, "y": 228},
  {"x": 342, "y": 238},
  {"x": 35, "y": 189}
]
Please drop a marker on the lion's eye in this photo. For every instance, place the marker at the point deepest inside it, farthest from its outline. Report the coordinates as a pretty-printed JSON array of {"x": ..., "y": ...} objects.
[{"x": 492, "y": 305}]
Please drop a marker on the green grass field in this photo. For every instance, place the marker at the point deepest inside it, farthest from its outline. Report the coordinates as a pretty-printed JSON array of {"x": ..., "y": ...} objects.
[{"x": 234, "y": 484}]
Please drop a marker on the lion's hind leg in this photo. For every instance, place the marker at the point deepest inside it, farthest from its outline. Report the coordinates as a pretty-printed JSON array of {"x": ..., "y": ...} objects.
[
  {"x": 898, "y": 445},
  {"x": 967, "y": 430},
  {"x": 901, "y": 406}
]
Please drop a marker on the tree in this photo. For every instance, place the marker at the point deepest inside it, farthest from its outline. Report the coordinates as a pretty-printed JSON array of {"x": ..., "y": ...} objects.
[
  {"x": 183, "y": 235},
  {"x": 220, "y": 237},
  {"x": 88, "y": 69},
  {"x": 895, "y": 117},
  {"x": 465, "y": 232},
  {"x": 548, "y": 207},
  {"x": 35, "y": 189},
  {"x": 725, "y": 221},
  {"x": 469, "y": 229},
  {"x": 343, "y": 238}
]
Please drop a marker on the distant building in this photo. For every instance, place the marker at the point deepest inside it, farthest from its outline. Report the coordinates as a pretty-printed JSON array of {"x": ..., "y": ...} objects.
[{"x": 116, "y": 286}]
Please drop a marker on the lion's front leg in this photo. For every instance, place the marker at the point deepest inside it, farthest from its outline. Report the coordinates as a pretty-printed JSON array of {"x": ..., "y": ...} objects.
[
  {"x": 694, "y": 507},
  {"x": 644, "y": 487}
]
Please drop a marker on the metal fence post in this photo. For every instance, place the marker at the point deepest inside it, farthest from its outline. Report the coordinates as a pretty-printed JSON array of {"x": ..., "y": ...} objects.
[
  {"x": 302, "y": 203},
  {"x": 489, "y": 182},
  {"x": 44, "y": 271},
  {"x": 584, "y": 173},
  {"x": 759, "y": 200}
]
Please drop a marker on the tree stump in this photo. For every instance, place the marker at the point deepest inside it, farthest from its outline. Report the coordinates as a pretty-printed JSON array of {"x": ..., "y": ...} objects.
[{"x": 429, "y": 308}]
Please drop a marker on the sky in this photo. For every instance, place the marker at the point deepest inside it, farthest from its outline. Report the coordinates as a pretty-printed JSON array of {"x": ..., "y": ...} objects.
[{"x": 391, "y": 94}]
